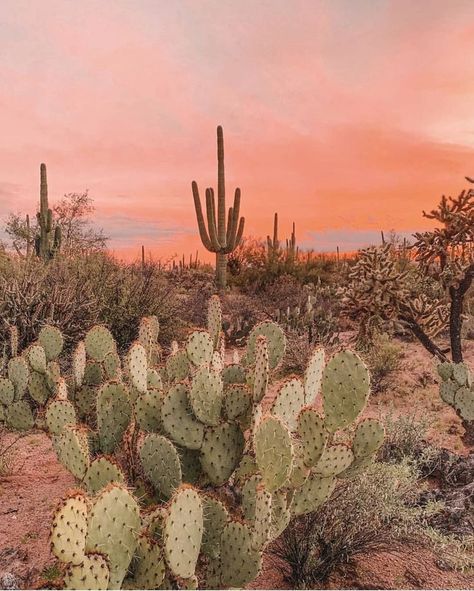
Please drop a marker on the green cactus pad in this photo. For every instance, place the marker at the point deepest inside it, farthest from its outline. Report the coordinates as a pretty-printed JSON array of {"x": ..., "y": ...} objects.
[
  {"x": 221, "y": 451},
  {"x": 215, "y": 517},
  {"x": 38, "y": 387},
  {"x": 52, "y": 341},
  {"x": 72, "y": 448},
  {"x": 94, "y": 374},
  {"x": 445, "y": 370},
  {"x": 99, "y": 342},
  {"x": 240, "y": 562},
  {"x": 92, "y": 573},
  {"x": 37, "y": 358},
  {"x": 313, "y": 375},
  {"x": 58, "y": 414},
  {"x": 334, "y": 460},
  {"x": 368, "y": 438},
  {"x": 7, "y": 391},
  {"x": 234, "y": 374},
  {"x": 161, "y": 465},
  {"x": 150, "y": 565},
  {"x": 85, "y": 401},
  {"x": 464, "y": 403},
  {"x": 276, "y": 342},
  {"x": 313, "y": 436},
  {"x": 183, "y": 530},
  {"x": 288, "y": 402},
  {"x": 214, "y": 319},
  {"x": 314, "y": 492},
  {"x": 281, "y": 515},
  {"x": 138, "y": 367},
  {"x": 345, "y": 388},
  {"x": 114, "y": 523},
  {"x": 79, "y": 363},
  {"x": 262, "y": 519},
  {"x": 177, "y": 366},
  {"x": 447, "y": 391},
  {"x": 68, "y": 532},
  {"x": 113, "y": 414},
  {"x": 261, "y": 369},
  {"x": 273, "y": 452},
  {"x": 205, "y": 396},
  {"x": 237, "y": 401},
  {"x": 19, "y": 416},
  {"x": 461, "y": 374},
  {"x": 199, "y": 348},
  {"x": 102, "y": 472},
  {"x": 178, "y": 420},
  {"x": 154, "y": 379},
  {"x": 113, "y": 366},
  {"x": 148, "y": 411},
  {"x": 18, "y": 374}
]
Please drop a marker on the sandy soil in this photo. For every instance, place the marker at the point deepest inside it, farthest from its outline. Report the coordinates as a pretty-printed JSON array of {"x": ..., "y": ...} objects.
[{"x": 29, "y": 495}]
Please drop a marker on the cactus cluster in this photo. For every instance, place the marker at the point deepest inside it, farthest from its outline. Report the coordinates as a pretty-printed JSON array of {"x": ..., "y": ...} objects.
[
  {"x": 31, "y": 380},
  {"x": 198, "y": 428},
  {"x": 457, "y": 390}
]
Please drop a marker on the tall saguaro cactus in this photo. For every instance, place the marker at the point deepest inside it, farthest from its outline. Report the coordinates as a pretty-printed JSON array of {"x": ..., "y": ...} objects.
[
  {"x": 219, "y": 236},
  {"x": 48, "y": 241}
]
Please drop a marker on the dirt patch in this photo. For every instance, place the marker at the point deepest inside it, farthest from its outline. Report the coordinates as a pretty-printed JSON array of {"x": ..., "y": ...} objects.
[{"x": 28, "y": 498}]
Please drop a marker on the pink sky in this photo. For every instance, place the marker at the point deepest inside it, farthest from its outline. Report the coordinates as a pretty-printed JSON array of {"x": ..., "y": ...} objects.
[{"x": 345, "y": 116}]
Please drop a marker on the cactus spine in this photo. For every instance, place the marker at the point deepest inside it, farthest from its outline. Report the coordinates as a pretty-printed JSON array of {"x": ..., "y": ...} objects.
[
  {"x": 48, "y": 241},
  {"x": 220, "y": 236}
]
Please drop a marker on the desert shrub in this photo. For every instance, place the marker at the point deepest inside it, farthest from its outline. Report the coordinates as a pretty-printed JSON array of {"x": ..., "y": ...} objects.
[
  {"x": 383, "y": 516},
  {"x": 240, "y": 313},
  {"x": 60, "y": 293},
  {"x": 297, "y": 353},
  {"x": 383, "y": 358}
]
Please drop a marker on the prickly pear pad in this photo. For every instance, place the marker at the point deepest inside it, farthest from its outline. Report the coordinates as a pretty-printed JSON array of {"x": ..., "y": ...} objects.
[
  {"x": 276, "y": 342},
  {"x": 273, "y": 452},
  {"x": 288, "y": 402},
  {"x": 199, "y": 348},
  {"x": 99, "y": 342},
  {"x": 313, "y": 435},
  {"x": 92, "y": 573},
  {"x": 205, "y": 396},
  {"x": 68, "y": 532},
  {"x": 345, "y": 388},
  {"x": 221, "y": 451},
  {"x": 114, "y": 522},
  {"x": 183, "y": 529},
  {"x": 161, "y": 465},
  {"x": 178, "y": 420},
  {"x": 240, "y": 563},
  {"x": 313, "y": 375},
  {"x": 368, "y": 438},
  {"x": 100, "y": 473},
  {"x": 52, "y": 341}
]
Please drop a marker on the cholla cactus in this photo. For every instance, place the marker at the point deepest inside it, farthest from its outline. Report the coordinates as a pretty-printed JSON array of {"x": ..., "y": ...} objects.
[
  {"x": 201, "y": 426},
  {"x": 221, "y": 236},
  {"x": 48, "y": 241},
  {"x": 380, "y": 295}
]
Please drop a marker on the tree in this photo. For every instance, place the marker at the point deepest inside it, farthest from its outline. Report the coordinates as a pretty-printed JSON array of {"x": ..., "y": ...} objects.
[{"x": 72, "y": 214}]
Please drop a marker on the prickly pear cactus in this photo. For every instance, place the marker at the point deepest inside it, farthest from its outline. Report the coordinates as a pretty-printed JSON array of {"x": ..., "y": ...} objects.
[{"x": 457, "y": 390}]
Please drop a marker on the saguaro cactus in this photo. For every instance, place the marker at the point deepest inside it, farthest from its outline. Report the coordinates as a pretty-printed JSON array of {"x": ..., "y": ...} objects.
[
  {"x": 273, "y": 243},
  {"x": 220, "y": 236},
  {"x": 48, "y": 241}
]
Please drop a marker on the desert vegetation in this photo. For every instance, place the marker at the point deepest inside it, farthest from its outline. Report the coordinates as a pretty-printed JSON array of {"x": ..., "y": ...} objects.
[{"x": 287, "y": 419}]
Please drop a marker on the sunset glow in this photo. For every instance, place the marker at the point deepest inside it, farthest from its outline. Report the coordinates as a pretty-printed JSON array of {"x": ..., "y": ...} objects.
[{"x": 346, "y": 117}]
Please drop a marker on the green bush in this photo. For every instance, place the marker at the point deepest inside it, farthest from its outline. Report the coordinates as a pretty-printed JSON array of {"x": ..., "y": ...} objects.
[{"x": 383, "y": 359}]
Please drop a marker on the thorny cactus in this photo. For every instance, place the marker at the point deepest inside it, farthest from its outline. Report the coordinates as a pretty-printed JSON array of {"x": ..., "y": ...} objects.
[
  {"x": 457, "y": 390},
  {"x": 273, "y": 244},
  {"x": 48, "y": 241},
  {"x": 224, "y": 232},
  {"x": 203, "y": 433}
]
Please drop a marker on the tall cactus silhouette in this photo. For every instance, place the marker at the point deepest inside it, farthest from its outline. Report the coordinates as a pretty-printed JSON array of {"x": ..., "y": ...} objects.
[
  {"x": 48, "y": 241},
  {"x": 219, "y": 236},
  {"x": 273, "y": 244}
]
